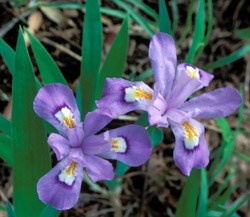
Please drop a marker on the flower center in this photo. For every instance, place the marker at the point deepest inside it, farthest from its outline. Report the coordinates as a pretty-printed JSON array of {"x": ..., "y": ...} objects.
[
  {"x": 68, "y": 174},
  {"x": 193, "y": 72},
  {"x": 137, "y": 93},
  {"x": 65, "y": 116},
  {"x": 118, "y": 144},
  {"x": 191, "y": 135}
]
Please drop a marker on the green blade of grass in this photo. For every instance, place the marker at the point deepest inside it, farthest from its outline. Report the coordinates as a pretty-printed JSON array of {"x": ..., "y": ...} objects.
[
  {"x": 199, "y": 31},
  {"x": 5, "y": 125},
  {"x": 145, "y": 8},
  {"x": 228, "y": 59},
  {"x": 31, "y": 158},
  {"x": 188, "y": 199},
  {"x": 202, "y": 205},
  {"x": 48, "y": 211},
  {"x": 49, "y": 70},
  {"x": 244, "y": 34},
  {"x": 156, "y": 135},
  {"x": 91, "y": 55},
  {"x": 10, "y": 210},
  {"x": 139, "y": 19},
  {"x": 188, "y": 22},
  {"x": 144, "y": 75},
  {"x": 164, "y": 20},
  {"x": 209, "y": 30},
  {"x": 236, "y": 205},
  {"x": 242, "y": 156},
  {"x": 8, "y": 55},
  {"x": 115, "y": 61},
  {"x": 174, "y": 8},
  {"x": 6, "y": 149}
]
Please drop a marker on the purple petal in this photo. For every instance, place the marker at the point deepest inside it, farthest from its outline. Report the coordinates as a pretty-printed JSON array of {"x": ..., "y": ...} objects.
[
  {"x": 96, "y": 145},
  {"x": 76, "y": 135},
  {"x": 98, "y": 168},
  {"x": 186, "y": 159},
  {"x": 59, "y": 144},
  {"x": 51, "y": 99},
  {"x": 77, "y": 155},
  {"x": 56, "y": 193},
  {"x": 96, "y": 121},
  {"x": 215, "y": 104},
  {"x": 138, "y": 145},
  {"x": 162, "y": 54},
  {"x": 114, "y": 96}
]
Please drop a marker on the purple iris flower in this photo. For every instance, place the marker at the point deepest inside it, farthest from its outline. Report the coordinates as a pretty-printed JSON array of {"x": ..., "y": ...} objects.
[
  {"x": 80, "y": 148},
  {"x": 168, "y": 104}
]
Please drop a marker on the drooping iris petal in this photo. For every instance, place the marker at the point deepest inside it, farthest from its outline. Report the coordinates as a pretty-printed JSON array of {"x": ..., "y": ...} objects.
[
  {"x": 96, "y": 121},
  {"x": 56, "y": 104},
  {"x": 59, "y": 144},
  {"x": 215, "y": 104},
  {"x": 96, "y": 144},
  {"x": 191, "y": 149},
  {"x": 162, "y": 54},
  {"x": 98, "y": 168},
  {"x": 130, "y": 144},
  {"x": 61, "y": 186},
  {"x": 121, "y": 96}
]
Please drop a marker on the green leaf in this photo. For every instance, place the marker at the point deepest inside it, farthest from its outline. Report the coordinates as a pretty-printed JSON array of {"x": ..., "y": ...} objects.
[
  {"x": 156, "y": 135},
  {"x": 208, "y": 32},
  {"x": 144, "y": 75},
  {"x": 174, "y": 7},
  {"x": 49, "y": 70},
  {"x": 199, "y": 31},
  {"x": 188, "y": 23},
  {"x": 164, "y": 20},
  {"x": 5, "y": 125},
  {"x": 137, "y": 17},
  {"x": 8, "y": 55},
  {"x": 6, "y": 149},
  {"x": 202, "y": 204},
  {"x": 48, "y": 211},
  {"x": 145, "y": 8},
  {"x": 30, "y": 150},
  {"x": 188, "y": 199},
  {"x": 244, "y": 34},
  {"x": 91, "y": 55},
  {"x": 236, "y": 205},
  {"x": 10, "y": 210},
  {"x": 115, "y": 62},
  {"x": 228, "y": 59}
]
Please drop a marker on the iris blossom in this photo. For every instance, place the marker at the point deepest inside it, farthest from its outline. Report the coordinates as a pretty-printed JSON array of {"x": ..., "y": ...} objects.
[
  {"x": 80, "y": 147},
  {"x": 168, "y": 104}
]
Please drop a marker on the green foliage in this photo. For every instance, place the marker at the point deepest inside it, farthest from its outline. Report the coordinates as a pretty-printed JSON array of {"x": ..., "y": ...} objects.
[
  {"x": 8, "y": 55},
  {"x": 5, "y": 125},
  {"x": 31, "y": 157},
  {"x": 244, "y": 34},
  {"x": 47, "y": 66},
  {"x": 48, "y": 211},
  {"x": 6, "y": 149},
  {"x": 164, "y": 20},
  {"x": 114, "y": 64},
  {"x": 10, "y": 210},
  {"x": 91, "y": 55},
  {"x": 199, "y": 31}
]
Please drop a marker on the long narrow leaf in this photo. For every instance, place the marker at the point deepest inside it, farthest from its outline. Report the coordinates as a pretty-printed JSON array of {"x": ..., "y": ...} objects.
[
  {"x": 49, "y": 70},
  {"x": 229, "y": 59},
  {"x": 6, "y": 149},
  {"x": 202, "y": 205},
  {"x": 199, "y": 31},
  {"x": 91, "y": 55},
  {"x": 115, "y": 62},
  {"x": 5, "y": 125},
  {"x": 10, "y": 210},
  {"x": 164, "y": 20},
  {"x": 8, "y": 55},
  {"x": 139, "y": 19},
  {"x": 50, "y": 212},
  {"x": 187, "y": 203},
  {"x": 30, "y": 150}
]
